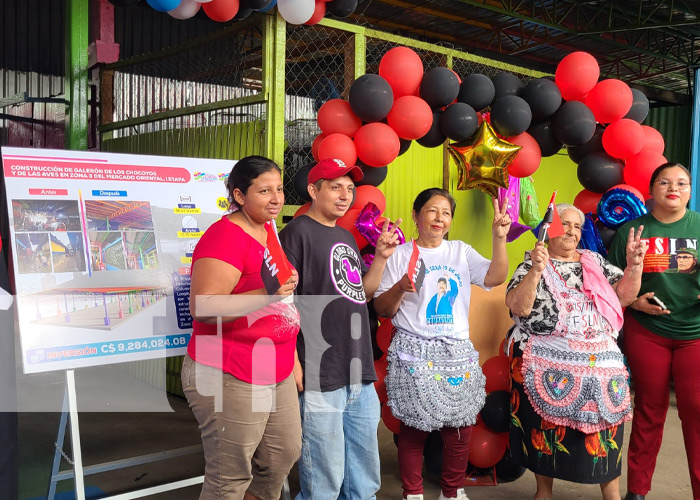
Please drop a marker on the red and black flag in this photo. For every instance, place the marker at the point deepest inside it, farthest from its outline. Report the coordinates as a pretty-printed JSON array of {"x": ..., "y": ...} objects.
[
  {"x": 416, "y": 268},
  {"x": 276, "y": 269}
]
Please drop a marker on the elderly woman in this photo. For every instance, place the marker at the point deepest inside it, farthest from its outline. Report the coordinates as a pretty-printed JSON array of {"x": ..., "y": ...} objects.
[
  {"x": 434, "y": 380},
  {"x": 570, "y": 396}
]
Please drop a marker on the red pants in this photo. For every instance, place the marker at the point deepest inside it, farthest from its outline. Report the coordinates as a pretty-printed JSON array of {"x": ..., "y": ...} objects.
[
  {"x": 455, "y": 453},
  {"x": 653, "y": 361}
]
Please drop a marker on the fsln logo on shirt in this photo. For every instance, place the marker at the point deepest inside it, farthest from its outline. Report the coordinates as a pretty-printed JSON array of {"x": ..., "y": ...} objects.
[{"x": 346, "y": 273}]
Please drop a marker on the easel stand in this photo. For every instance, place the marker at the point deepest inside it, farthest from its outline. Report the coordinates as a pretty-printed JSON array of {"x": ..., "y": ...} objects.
[
  {"x": 78, "y": 472},
  {"x": 70, "y": 414}
]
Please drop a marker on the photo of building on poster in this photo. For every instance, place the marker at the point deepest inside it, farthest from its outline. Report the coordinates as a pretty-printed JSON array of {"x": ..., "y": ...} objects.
[{"x": 102, "y": 247}]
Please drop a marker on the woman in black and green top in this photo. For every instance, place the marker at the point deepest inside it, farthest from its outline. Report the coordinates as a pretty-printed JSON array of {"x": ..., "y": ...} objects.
[{"x": 662, "y": 339}]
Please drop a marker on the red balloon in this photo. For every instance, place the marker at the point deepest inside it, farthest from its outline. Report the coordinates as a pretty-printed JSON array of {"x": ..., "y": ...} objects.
[
  {"x": 338, "y": 146},
  {"x": 623, "y": 138},
  {"x": 631, "y": 189},
  {"x": 316, "y": 144},
  {"x": 319, "y": 12},
  {"x": 576, "y": 75},
  {"x": 587, "y": 201},
  {"x": 528, "y": 158},
  {"x": 336, "y": 116},
  {"x": 609, "y": 100},
  {"x": 403, "y": 69},
  {"x": 380, "y": 366},
  {"x": 486, "y": 448},
  {"x": 302, "y": 209},
  {"x": 347, "y": 221},
  {"x": 638, "y": 169},
  {"x": 410, "y": 117},
  {"x": 367, "y": 194},
  {"x": 377, "y": 144},
  {"x": 653, "y": 139},
  {"x": 385, "y": 333},
  {"x": 497, "y": 372},
  {"x": 221, "y": 10},
  {"x": 392, "y": 423}
]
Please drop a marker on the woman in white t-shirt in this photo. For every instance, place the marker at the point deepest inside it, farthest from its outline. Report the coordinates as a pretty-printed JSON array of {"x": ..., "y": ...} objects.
[{"x": 434, "y": 380}]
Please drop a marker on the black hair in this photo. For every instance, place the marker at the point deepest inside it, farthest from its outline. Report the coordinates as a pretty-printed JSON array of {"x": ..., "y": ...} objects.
[
  {"x": 425, "y": 196},
  {"x": 663, "y": 167},
  {"x": 442, "y": 279},
  {"x": 244, "y": 172}
]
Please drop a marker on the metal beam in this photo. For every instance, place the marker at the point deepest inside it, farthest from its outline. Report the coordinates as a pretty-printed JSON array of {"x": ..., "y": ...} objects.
[{"x": 77, "y": 90}]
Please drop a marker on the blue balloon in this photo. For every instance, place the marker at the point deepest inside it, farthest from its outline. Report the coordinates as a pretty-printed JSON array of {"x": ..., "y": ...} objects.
[
  {"x": 590, "y": 237},
  {"x": 163, "y": 5},
  {"x": 618, "y": 206},
  {"x": 268, "y": 7}
]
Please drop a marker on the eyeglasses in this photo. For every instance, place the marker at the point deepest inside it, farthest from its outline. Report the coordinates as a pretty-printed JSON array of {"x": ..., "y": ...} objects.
[
  {"x": 683, "y": 257},
  {"x": 666, "y": 184}
]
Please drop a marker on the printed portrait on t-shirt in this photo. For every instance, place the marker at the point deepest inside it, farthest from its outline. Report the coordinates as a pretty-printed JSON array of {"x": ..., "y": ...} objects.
[
  {"x": 439, "y": 310},
  {"x": 671, "y": 255}
]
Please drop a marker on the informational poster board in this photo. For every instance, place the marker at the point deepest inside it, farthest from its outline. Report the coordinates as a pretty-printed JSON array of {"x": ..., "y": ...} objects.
[{"x": 102, "y": 245}]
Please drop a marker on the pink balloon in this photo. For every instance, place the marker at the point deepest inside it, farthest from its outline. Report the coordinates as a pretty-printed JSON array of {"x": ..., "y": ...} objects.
[
  {"x": 609, "y": 100},
  {"x": 511, "y": 196},
  {"x": 653, "y": 139},
  {"x": 367, "y": 225},
  {"x": 576, "y": 75},
  {"x": 638, "y": 169},
  {"x": 623, "y": 138}
]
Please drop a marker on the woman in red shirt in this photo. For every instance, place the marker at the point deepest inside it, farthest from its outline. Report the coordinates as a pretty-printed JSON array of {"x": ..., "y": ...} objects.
[{"x": 237, "y": 374}]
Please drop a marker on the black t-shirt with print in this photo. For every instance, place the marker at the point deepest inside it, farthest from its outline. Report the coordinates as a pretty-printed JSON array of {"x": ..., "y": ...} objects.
[{"x": 334, "y": 344}]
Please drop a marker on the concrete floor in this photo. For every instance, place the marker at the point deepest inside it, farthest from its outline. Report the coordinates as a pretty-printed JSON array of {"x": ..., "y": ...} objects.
[{"x": 107, "y": 436}]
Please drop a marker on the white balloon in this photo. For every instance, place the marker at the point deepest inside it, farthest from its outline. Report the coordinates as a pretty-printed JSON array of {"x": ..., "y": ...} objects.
[
  {"x": 296, "y": 11},
  {"x": 186, "y": 9},
  {"x": 202, "y": 1}
]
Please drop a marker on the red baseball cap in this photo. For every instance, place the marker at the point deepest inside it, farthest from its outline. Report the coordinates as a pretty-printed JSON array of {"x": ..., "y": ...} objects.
[{"x": 332, "y": 168}]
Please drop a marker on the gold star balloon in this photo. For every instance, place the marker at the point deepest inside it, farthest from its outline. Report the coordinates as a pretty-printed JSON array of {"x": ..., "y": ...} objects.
[{"x": 483, "y": 164}]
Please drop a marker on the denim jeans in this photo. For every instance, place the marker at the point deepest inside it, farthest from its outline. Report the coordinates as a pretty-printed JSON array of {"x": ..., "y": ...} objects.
[{"x": 339, "y": 449}]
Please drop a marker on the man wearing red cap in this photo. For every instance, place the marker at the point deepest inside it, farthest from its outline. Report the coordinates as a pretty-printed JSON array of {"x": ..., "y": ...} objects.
[{"x": 335, "y": 370}]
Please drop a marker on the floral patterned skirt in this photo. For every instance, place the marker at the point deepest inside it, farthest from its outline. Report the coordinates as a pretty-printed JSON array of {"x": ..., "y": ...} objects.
[{"x": 558, "y": 451}]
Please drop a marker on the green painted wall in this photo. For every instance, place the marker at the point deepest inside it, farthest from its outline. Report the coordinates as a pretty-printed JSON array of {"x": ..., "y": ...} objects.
[{"x": 219, "y": 142}]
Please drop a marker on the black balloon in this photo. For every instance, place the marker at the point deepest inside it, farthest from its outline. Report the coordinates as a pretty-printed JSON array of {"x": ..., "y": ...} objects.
[
  {"x": 439, "y": 87},
  {"x": 374, "y": 176},
  {"x": 370, "y": 97},
  {"x": 574, "y": 123},
  {"x": 595, "y": 145},
  {"x": 341, "y": 8},
  {"x": 543, "y": 96},
  {"x": 508, "y": 469},
  {"x": 606, "y": 233},
  {"x": 496, "y": 411},
  {"x": 506, "y": 84},
  {"x": 459, "y": 121},
  {"x": 242, "y": 13},
  {"x": 477, "y": 90},
  {"x": 301, "y": 181},
  {"x": 640, "y": 107},
  {"x": 543, "y": 133},
  {"x": 404, "y": 145},
  {"x": 255, "y": 4},
  {"x": 510, "y": 115},
  {"x": 434, "y": 137},
  {"x": 598, "y": 172}
]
